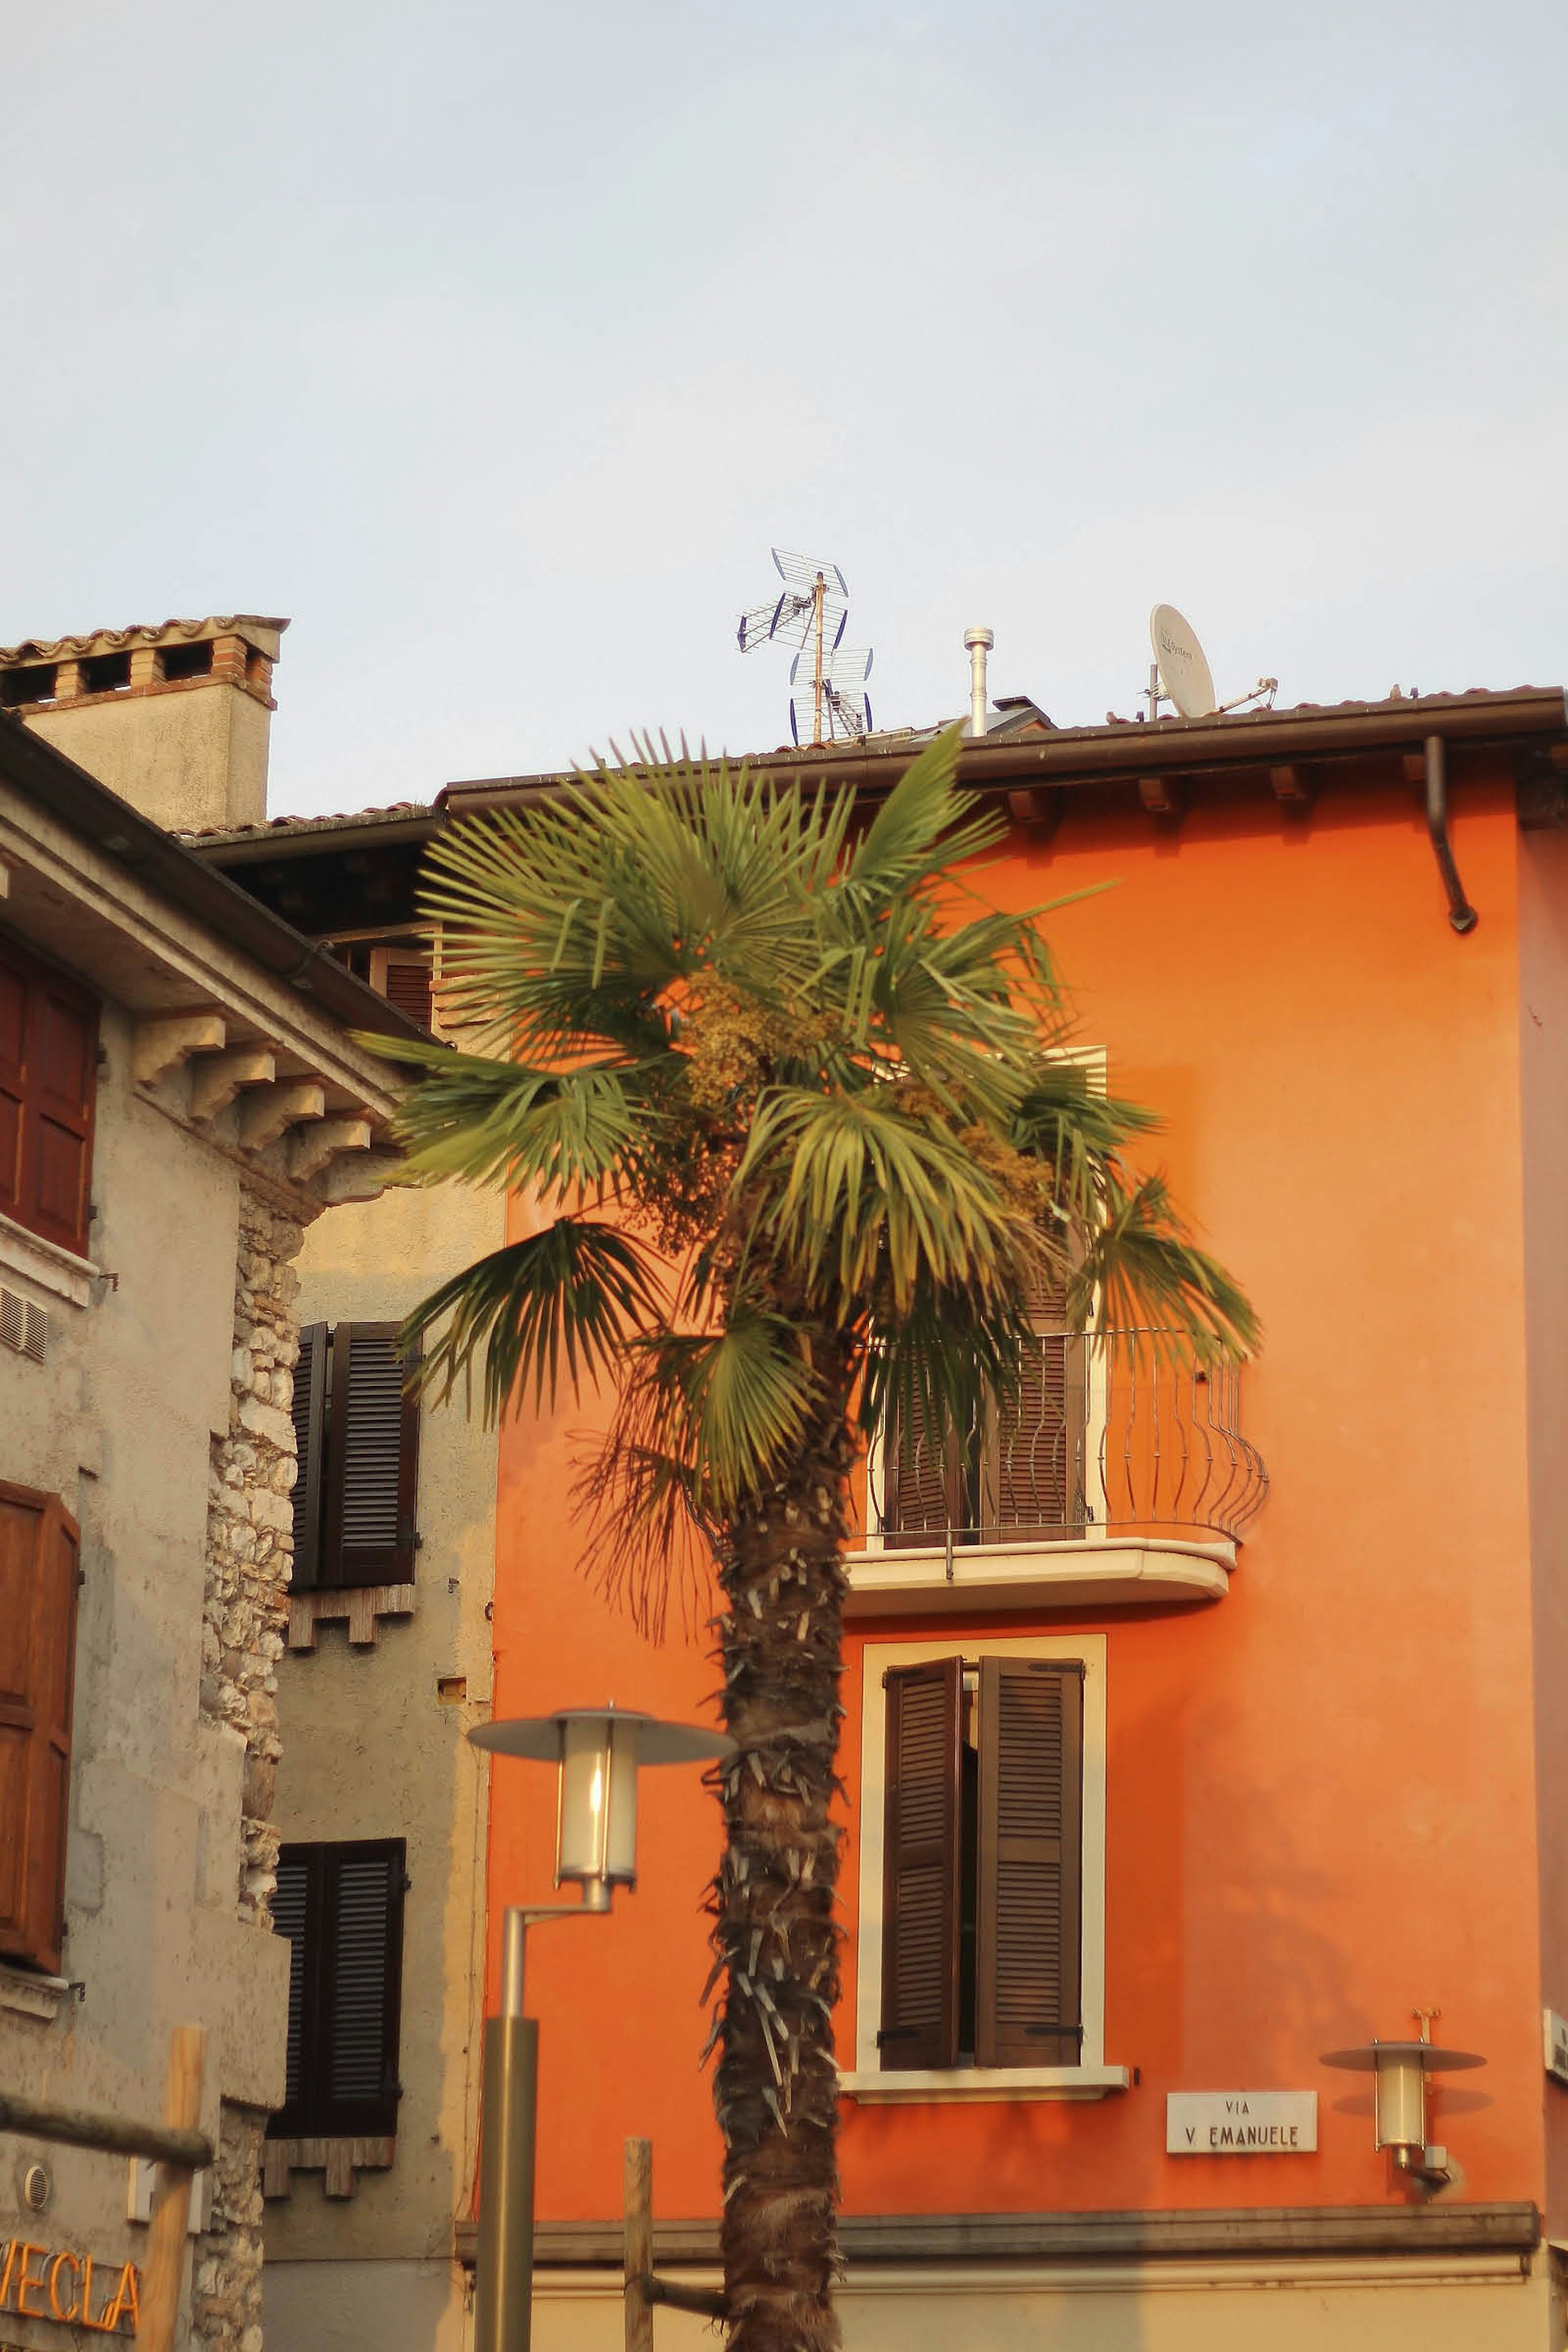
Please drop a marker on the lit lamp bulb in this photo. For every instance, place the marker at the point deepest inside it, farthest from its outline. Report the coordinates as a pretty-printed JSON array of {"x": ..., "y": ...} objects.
[{"x": 596, "y": 1826}]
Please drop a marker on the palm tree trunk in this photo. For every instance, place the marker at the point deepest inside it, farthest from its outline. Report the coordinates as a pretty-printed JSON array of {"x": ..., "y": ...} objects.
[{"x": 775, "y": 1934}]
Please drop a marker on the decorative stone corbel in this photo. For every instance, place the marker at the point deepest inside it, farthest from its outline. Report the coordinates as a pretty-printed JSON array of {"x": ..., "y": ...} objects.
[
  {"x": 265, "y": 1112},
  {"x": 325, "y": 1141},
  {"x": 362, "y": 1178},
  {"x": 160, "y": 1046},
  {"x": 215, "y": 1084}
]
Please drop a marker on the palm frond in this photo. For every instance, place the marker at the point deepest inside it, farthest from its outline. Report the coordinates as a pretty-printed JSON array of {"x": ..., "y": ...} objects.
[
  {"x": 559, "y": 1307},
  {"x": 1144, "y": 1268}
]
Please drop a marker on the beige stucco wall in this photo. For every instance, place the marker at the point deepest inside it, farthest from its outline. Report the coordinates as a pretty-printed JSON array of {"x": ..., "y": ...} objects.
[
  {"x": 120, "y": 1421},
  {"x": 189, "y": 756},
  {"x": 1405, "y": 2306},
  {"x": 372, "y": 1749}
]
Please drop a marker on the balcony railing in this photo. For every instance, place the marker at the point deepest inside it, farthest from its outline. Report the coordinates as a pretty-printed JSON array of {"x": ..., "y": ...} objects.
[{"x": 1121, "y": 1433}]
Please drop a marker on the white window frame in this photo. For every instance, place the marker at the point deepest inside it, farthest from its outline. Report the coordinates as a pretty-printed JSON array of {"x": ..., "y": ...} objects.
[{"x": 1092, "y": 2078}]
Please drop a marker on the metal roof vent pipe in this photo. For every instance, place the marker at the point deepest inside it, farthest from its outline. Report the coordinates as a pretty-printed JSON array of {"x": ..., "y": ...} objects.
[{"x": 979, "y": 642}]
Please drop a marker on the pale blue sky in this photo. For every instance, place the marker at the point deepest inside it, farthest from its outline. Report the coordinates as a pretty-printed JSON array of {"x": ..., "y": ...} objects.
[{"x": 495, "y": 344}]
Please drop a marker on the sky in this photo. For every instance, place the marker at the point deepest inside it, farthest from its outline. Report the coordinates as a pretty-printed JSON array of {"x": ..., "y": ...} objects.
[{"x": 496, "y": 344}]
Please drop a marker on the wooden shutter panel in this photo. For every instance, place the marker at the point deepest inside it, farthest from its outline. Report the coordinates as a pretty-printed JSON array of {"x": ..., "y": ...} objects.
[
  {"x": 309, "y": 1414},
  {"x": 13, "y": 1067},
  {"x": 62, "y": 1058},
  {"x": 38, "y": 1547},
  {"x": 1033, "y": 1480},
  {"x": 924, "y": 1481},
  {"x": 373, "y": 1459},
  {"x": 921, "y": 1865},
  {"x": 340, "y": 1908},
  {"x": 1030, "y": 1897},
  {"x": 48, "y": 1079},
  {"x": 403, "y": 976},
  {"x": 290, "y": 1912}
]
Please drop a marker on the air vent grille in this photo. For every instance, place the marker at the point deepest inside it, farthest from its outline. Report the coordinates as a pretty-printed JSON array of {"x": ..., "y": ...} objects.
[{"x": 23, "y": 1326}]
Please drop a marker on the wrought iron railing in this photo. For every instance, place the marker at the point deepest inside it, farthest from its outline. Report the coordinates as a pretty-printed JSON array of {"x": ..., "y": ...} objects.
[{"x": 1119, "y": 1433}]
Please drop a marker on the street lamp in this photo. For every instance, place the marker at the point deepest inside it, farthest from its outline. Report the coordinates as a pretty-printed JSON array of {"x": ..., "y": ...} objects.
[{"x": 596, "y": 1752}]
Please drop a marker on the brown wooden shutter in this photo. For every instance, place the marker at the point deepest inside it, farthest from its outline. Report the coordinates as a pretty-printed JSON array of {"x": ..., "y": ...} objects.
[
  {"x": 308, "y": 1413},
  {"x": 922, "y": 1868},
  {"x": 1033, "y": 1483},
  {"x": 12, "y": 1082},
  {"x": 924, "y": 1483},
  {"x": 373, "y": 1459},
  {"x": 340, "y": 1908},
  {"x": 1030, "y": 1898},
  {"x": 48, "y": 1078},
  {"x": 38, "y": 1548},
  {"x": 403, "y": 976}
]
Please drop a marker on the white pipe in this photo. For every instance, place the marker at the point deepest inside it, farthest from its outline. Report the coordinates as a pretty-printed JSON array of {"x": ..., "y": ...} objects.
[{"x": 979, "y": 642}]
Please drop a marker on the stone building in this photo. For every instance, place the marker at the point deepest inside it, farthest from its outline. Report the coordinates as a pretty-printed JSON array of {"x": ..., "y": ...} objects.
[{"x": 180, "y": 1099}]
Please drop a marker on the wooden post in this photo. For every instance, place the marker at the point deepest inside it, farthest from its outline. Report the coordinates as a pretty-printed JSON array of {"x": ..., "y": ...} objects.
[
  {"x": 638, "y": 2244},
  {"x": 171, "y": 2195}
]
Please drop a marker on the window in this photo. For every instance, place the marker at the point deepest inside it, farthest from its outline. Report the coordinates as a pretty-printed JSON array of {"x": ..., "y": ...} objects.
[
  {"x": 37, "y": 1665},
  {"x": 356, "y": 1430},
  {"x": 980, "y": 1946},
  {"x": 340, "y": 1906},
  {"x": 49, "y": 1070},
  {"x": 34, "y": 682}
]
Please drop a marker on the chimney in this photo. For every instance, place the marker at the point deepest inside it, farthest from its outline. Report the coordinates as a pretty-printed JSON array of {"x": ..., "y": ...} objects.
[
  {"x": 174, "y": 718},
  {"x": 979, "y": 641}
]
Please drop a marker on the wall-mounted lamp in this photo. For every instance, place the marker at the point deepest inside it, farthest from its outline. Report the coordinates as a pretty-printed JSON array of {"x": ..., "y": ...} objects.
[
  {"x": 596, "y": 1752},
  {"x": 1399, "y": 2095}
]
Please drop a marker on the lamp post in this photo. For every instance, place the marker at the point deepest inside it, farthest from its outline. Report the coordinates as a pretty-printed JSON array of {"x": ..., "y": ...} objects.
[{"x": 596, "y": 1752}]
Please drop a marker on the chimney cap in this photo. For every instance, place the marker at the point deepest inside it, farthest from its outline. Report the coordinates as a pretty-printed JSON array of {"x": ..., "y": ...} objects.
[
  {"x": 978, "y": 635},
  {"x": 256, "y": 628}
]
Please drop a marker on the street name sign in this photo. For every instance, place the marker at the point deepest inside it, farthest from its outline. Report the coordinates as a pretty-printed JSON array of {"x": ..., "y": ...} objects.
[{"x": 1241, "y": 2122}]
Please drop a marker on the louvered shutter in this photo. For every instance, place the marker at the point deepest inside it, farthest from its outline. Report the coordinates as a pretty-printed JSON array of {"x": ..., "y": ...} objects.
[
  {"x": 308, "y": 1415},
  {"x": 290, "y": 1902},
  {"x": 921, "y": 1865},
  {"x": 1034, "y": 1471},
  {"x": 1029, "y": 1897},
  {"x": 38, "y": 1549},
  {"x": 373, "y": 1461},
  {"x": 403, "y": 976},
  {"x": 924, "y": 1482},
  {"x": 340, "y": 1908}
]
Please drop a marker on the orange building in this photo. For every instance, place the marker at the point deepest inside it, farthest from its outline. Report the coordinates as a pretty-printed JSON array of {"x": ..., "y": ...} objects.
[{"x": 1313, "y": 1756}]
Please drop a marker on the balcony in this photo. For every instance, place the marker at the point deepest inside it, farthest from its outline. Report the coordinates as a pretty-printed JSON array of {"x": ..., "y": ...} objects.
[{"x": 1117, "y": 1475}]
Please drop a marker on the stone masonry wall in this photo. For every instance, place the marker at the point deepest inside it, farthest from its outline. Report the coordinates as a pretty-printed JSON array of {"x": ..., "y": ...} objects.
[{"x": 251, "y": 1551}]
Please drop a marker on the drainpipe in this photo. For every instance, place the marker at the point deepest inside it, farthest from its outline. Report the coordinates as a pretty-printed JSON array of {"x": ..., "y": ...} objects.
[
  {"x": 979, "y": 642},
  {"x": 1461, "y": 914}
]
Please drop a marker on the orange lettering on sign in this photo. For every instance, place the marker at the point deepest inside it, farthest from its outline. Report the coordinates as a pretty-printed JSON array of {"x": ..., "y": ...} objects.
[
  {"x": 11, "y": 2247},
  {"x": 24, "y": 2283},
  {"x": 124, "y": 2302},
  {"x": 58, "y": 2264}
]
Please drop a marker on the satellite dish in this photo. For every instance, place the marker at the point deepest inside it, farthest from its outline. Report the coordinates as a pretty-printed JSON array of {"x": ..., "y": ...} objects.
[{"x": 1183, "y": 673}]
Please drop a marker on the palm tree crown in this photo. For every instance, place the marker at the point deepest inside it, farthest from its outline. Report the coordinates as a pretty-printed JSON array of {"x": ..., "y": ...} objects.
[{"x": 798, "y": 1113}]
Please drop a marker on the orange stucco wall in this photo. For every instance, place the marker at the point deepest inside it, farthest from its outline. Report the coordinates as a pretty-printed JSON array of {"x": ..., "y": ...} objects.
[{"x": 1321, "y": 1793}]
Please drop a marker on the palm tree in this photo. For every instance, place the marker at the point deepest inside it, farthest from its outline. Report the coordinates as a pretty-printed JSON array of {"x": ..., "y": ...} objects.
[{"x": 805, "y": 1144}]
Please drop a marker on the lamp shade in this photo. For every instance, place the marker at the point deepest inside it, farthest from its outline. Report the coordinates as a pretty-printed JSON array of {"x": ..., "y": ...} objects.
[
  {"x": 598, "y": 1751},
  {"x": 1401, "y": 2068}
]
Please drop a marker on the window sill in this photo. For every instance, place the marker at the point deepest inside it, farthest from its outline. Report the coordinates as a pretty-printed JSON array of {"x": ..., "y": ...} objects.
[
  {"x": 58, "y": 1271},
  {"x": 27, "y": 1995},
  {"x": 1099, "y": 1572},
  {"x": 362, "y": 1606},
  {"x": 946, "y": 2086}
]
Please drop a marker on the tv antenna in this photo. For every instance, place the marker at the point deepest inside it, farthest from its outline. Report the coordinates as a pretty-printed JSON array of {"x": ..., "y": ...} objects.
[
  {"x": 1179, "y": 675},
  {"x": 827, "y": 687}
]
